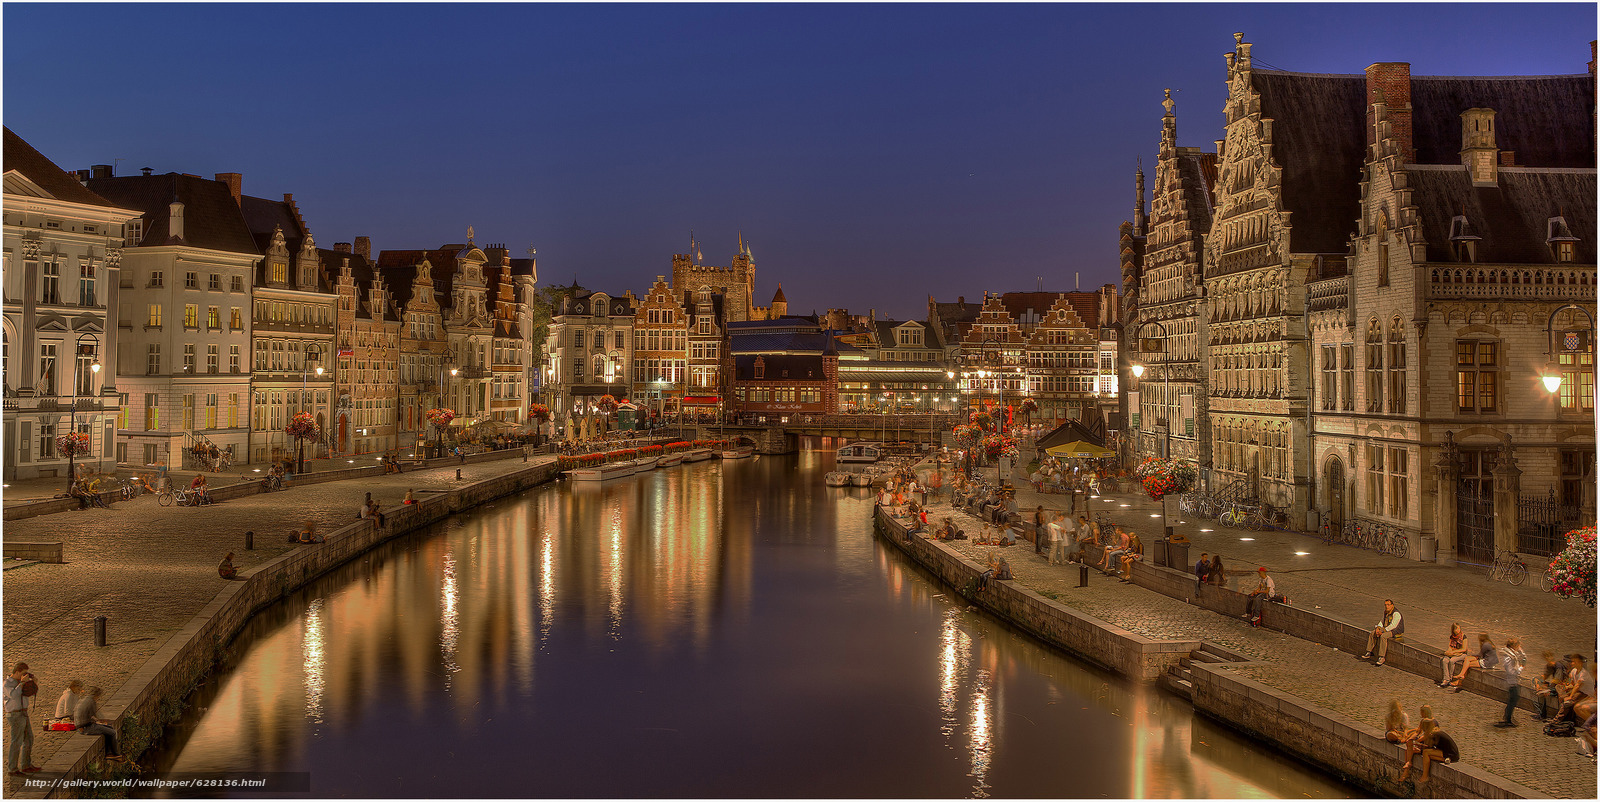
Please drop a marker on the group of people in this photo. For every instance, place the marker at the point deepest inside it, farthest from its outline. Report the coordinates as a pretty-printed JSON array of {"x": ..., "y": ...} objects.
[
  {"x": 200, "y": 491},
  {"x": 207, "y": 457},
  {"x": 1427, "y": 740},
  {"x": 78, "y": 705}
]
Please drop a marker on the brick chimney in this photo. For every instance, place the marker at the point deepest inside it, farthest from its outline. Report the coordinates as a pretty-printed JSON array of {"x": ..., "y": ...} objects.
[
  {"x": 342, "y": 247},
  {"x": 364, "y": 248},
  {"x": 235, "y": 182},
  {"x": 1389, "y": 83}
]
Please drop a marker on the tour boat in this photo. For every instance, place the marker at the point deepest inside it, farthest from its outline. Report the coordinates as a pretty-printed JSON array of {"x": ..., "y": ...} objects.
[
  {"x": 669, "y": 460},
  {"x": 859, "y": 452},
  {"x": 600, "y": 473},
  {"x": 699, "y": 454},
  {"x": 738, "y": 452},
  {"x": 836, "y": 479}
]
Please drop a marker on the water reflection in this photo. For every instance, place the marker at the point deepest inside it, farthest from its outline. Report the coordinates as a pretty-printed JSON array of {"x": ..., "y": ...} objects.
[{"x": 710, "y": 630}]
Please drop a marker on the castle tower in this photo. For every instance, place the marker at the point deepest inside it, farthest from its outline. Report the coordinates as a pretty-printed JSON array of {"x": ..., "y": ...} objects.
[{"x": 780, "y": 304}]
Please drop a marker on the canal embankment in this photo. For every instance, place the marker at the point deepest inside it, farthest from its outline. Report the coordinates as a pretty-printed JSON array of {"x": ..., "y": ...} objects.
[
  {"x": 153, "y": 695},
  {"x": 1126, "y": 629}
]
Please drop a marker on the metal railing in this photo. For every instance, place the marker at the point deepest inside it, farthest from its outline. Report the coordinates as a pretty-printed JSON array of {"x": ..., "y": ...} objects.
[{"x": 1543, "y": 522}]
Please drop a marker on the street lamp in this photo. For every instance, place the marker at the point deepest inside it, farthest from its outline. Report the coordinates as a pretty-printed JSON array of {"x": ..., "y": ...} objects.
[
  {"x": 1575, "y": 342},
  {"x": 94, "y": 367},
  {"x": 310, "y": 349}
]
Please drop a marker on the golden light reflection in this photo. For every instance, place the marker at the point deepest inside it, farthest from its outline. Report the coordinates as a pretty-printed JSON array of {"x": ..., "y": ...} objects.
[
  {"x": 981, "y": 736},
  {"x": 614, "y": 572},
  {"x": 313, "y": 648},
  {"x": 547, "y": 584},
  {"x": 449, "y": 627},
  {"x": 954, "y": 644}
]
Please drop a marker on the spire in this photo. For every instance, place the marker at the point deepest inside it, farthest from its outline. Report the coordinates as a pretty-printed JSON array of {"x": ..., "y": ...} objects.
[
  {"x": 1169, "y": 127},
  {"x": 741, "y": 242},
  {"x": 1138, "y": 201}
]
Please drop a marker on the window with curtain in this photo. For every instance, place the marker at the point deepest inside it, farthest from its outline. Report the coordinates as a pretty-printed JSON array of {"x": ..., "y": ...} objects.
[
  {"x": 1397, "y": 366},
  {"x": 1375, "y": 479},
  {"x": 1374, "y": 367},
  {"x": 1477, "y": 377}
]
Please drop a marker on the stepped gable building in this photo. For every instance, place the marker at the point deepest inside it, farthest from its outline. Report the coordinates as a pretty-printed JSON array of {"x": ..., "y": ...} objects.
[
  {"x": 1469, "y": 275},
  {"x": 185, "y": 336},
  {"x": 462, "y": 294},
  {"x": 423, "y": 344},
  {"x": 367, "y": 355},
  {"x": 292, "y": 321},
  {"x": 1171, "y": 397},
  {"x": 661, "y": 345},
  {"x": 63, "y": 273},
  {"x": 992, "y": 349},
  {"x": 510, "y": 289}
]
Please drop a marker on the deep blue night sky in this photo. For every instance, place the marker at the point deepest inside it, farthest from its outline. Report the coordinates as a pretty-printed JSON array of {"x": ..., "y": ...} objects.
[{"x": 871, "y": 155}]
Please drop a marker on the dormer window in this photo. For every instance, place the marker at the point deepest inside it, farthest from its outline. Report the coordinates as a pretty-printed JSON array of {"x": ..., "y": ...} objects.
[
  {"x": 1563, "y": 246},
  {"x": 1463, "y": 241}
]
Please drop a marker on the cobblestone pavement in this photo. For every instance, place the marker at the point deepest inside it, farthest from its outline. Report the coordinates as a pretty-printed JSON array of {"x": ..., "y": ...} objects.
[
  {"x": 1338, "y": 682},
  {"x": 149, "y": 569}
]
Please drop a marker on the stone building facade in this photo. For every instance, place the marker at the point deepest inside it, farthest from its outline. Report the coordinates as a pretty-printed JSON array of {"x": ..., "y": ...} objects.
[
  {"x": 1171, "y": 396},
  {"x": 62, "y": 276},
  {"x": 661, "y": 345},
  {"x": 591, "y": 353}
]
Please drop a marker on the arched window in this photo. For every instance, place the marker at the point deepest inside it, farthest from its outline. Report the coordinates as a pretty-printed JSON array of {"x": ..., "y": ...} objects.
[
  {"x": 1374, "y": 366},
  {"x": 1397, "y": 366}
]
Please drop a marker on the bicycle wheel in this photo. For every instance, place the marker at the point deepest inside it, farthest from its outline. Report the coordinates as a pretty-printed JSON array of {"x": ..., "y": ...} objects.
[
  {"x": 1402, "y": 547},
  {"x": 1516, "y": 573},
  {"x": 1256, "y": 522},
  {"x": 1547, "y": 580},
  {"x": 164, "y": 499}
]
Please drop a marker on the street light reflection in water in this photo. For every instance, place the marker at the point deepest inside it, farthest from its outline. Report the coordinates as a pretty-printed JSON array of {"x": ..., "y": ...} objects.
[{"x": 709, "y": 630}]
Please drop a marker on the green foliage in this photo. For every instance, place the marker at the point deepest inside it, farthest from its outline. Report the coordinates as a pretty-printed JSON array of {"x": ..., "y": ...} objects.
[{"x": 545, "y": 301}]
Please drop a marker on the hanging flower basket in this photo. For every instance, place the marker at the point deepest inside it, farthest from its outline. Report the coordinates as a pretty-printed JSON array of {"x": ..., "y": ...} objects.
[
  {"x": 1028, "y": 406},
  {"x": 1161, "y": 477},
  {"x": 72, "y": 444},
  {"x": 967, "y": 436},
  {"x": 995, "y": 446},
  {"x": 1574, "y": 567},
  {"x": 983, "y": 420},
  {"x": 607, "y": 404},
  {"x": 539, "y": 412},
  {"x": 440, "y": 417},
  {"x": 302, "y": 426}
]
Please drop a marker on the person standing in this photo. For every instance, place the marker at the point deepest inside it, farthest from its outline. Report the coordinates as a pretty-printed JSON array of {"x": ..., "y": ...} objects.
[
  {"x": 1039, "y": 535},
  {"x": 1389, "y": 627},
  {"x": 1512, "y": 659},
  {"x": 20, "y": 691}
]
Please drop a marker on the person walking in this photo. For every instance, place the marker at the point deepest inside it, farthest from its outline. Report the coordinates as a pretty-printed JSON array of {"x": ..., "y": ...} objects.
[
  {"x": 20, "y": 691},
  {"x": 1512, "y": 660},
  {"x": 1389, "y": 627}
]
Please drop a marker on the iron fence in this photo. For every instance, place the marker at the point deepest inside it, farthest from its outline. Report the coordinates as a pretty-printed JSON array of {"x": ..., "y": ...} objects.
[{"x": 1543, "y": 522}]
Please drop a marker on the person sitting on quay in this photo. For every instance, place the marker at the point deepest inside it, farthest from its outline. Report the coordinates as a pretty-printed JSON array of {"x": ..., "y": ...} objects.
[
  {"x": 1578, "y": 703},
  {"x": 1113, "y": 553},
  {"x": 1219, "y": 573},
  {"x": 1389, "y": 627},
  {"x": 1547, "y": 688},
  {"x": 1455, "y": 655},
  {"x": 1486, "y": 658},
  {"x": 89, "y": 723},
  {"x": 1433, "y": 744},
  {"x": 1202, "y": 572},
  {"x": 409, "y": 499},
  {"x": 225, "y": 568},
  {"x": 1259, "y": 595},
  {"x": 67, "y": 704},
  {"x": 1134, "y": 553},
  {"x": 1397, "y": 726}
]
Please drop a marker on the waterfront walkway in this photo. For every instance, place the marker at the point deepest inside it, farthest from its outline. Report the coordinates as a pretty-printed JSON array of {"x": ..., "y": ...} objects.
[
  {"x": 149, "y": 569},
  {"x": 1348, "y": 584}
]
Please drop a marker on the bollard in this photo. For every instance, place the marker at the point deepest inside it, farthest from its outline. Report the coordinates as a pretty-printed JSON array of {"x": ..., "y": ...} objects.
[
  {"x": 458, "y": 474},
  {"x": 1083, "y": 575},
  {"x": 99, "y": 630},
  {"x": 249, "y": 540}
]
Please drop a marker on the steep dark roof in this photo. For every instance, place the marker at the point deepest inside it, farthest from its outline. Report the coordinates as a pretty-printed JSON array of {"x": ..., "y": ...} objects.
[
  {"x": 1512, "y": 218},
  {"x": 799, "y": 368},
  {"x": 778, "y": 296},
  {"x": 1319, "y": 139},
  {"x": 780, "y": 342},
  {"x": 1198, "y": 172},
  {"x": 21, "y": 156},
  {"x": 262, "y": 217},
  {"x": 211, "y": 218},
  {"x": 1068, "y": 432},
  {"x": 787, "y": 323},
  {"x": 931, "y": 337},
  {"x": 443, "y": 262},
  {"x": 1547, "y": 120}
]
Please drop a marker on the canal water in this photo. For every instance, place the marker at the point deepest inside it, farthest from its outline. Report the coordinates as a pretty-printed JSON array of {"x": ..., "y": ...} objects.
[{"x": 710, "y": 630}]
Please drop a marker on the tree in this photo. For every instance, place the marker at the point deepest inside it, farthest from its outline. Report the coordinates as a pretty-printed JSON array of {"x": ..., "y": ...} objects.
[{"x": 546, "y": 300}]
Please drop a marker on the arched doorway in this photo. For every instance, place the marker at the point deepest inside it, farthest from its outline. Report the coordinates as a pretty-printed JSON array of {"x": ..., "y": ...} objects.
[{"x": 1333, "y": 479}]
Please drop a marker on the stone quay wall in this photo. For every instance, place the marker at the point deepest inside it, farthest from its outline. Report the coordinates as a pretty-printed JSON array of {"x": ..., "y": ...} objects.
[
  {"x": 154, "y": 695},
  {"x": 1091, "y": 639}
]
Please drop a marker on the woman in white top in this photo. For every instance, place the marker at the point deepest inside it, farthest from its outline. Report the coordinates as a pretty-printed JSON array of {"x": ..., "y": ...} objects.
[
  {"x": 1058, "y": 538},
  {"x": 68, "y": 703}
]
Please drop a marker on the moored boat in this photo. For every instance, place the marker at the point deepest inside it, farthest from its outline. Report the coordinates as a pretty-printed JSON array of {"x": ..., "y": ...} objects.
[
  {"x": 699, "y": 454},
  {"x": 669, "y": 460},
  {"x": 738, "y": 452},
  {"x": 600, "y": 473},
  {"x": 861, "y": 480},
  {"x": 643, "y": 464},
  {"x": 859, "y": 452},
  {"x": 836, "y": 479}
]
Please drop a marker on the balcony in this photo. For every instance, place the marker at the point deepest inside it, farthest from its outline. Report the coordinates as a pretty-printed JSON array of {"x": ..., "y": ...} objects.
[{"x": 1574, "y": 283}]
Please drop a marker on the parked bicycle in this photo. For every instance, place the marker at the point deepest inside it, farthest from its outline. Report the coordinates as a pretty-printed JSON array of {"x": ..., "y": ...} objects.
[
  {"x": 1508, "y": 567},
  {"x": 1244, "y": 516},
  {"x": 173, "y": 493}
]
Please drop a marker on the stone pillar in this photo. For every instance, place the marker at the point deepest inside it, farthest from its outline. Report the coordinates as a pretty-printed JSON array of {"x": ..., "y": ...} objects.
[
  {"x": 1507, "y": 486},
  {"x": 1447, "y": 477}
]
